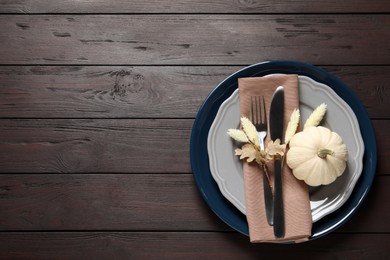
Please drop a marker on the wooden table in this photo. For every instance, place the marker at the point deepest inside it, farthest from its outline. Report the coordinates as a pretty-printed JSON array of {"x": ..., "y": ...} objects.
[{"x": 97, "y": 102}]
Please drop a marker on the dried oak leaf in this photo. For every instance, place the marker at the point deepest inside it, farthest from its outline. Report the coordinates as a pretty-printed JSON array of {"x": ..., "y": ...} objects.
[
  {"x": 247, "y": 151},
  {"x": 275, "y": 148},
  {"x": 261, "y": 157}
]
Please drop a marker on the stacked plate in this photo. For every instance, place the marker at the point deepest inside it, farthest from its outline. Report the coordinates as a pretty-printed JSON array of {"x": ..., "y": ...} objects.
[{"x": 218, "y": 172}]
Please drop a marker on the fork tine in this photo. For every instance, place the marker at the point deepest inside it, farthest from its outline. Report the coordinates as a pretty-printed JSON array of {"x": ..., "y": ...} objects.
[
  {"x": 255, "y": 112},
  {"x": 251, "y": 111},
  {"x": 254, "y": 107},
  {"x": 265, "y": 112},
  {"x": 259, "y": 110}
]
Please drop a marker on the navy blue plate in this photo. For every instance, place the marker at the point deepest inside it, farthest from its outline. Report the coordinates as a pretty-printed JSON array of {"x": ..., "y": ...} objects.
[{"x": 205, "y": 117}]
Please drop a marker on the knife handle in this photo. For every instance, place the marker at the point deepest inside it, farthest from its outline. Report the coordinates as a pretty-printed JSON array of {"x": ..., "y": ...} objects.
[
  {"x": 278, "y": 202},
  {"x": 268, "y": 199}
]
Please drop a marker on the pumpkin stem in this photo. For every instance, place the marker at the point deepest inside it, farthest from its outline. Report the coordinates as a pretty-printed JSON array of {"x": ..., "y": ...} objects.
[{"x": 323, "y": 152}]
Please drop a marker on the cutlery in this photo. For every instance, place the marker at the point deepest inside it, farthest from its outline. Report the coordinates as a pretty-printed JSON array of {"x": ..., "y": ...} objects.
[
  {"x": 258, "y": 116},
  {"x": 276, "y": 131}
]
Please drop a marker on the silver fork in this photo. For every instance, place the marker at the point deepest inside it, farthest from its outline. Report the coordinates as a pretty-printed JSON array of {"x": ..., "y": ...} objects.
[{"x": 258, "y": 116}]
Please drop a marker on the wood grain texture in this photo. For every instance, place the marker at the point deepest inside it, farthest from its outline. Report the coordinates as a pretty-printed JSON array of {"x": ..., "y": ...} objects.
[
  {"x": 170, "y": 39},
  {"x": 71, "y": 146},
  {"x": 136, "y": 202},
  {"x": 103, "y": 202},
  {"x": 97, "y": 102},
  {"x": 383, "y": 144},
  {"x": 193, "y": 6},
  {"x": 106, "y": 92},
  {"x": 116, "y": 146},
  {"x": 184, "y": 245},
  {"x": 146, "y": 91}
]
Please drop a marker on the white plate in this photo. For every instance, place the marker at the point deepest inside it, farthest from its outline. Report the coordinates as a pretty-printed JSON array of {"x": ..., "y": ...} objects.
[{"x": 226, "y": 168}]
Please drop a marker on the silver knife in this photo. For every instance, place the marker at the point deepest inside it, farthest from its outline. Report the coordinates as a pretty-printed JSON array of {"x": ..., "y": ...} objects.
[{"x": 276, "y": 131}]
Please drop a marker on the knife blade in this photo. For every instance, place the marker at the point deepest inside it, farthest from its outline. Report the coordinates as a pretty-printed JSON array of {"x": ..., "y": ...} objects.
[{"x": 276, "y": 132}]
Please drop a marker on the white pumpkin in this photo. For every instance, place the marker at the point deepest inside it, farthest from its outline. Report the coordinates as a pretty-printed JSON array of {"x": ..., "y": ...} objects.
[{"x": 317, "y": 156}]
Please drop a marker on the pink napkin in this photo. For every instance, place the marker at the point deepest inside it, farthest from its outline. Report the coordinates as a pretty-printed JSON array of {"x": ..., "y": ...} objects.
[{"x": 298, "y": 221}]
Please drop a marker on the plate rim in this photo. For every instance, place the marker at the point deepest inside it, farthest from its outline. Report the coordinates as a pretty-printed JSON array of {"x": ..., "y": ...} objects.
[{"x": 219, "y": 205}]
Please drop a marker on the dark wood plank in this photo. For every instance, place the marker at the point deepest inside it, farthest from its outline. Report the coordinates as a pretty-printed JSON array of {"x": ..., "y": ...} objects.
[
  {"x": 170, "y": 39},
  {"x": 146, "y": 91},
  {"x": 372, "y": 92},
  {"x": 106, "y": 92},
  {"x": 103, "y": 202},
  {"x": 193, "y": 6},
  {"x": 117, "y": 146},
  {"x": 94, "y": 146},
  {"x": 140, "y": 202},
  {"x": 383, "y": 144},
  {"x": 185, "y": 245}
]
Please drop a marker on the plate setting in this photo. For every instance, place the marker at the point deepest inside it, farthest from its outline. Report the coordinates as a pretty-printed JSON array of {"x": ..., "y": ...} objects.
[
  {"x": 226, "y": 168},
  {"x": 207, "y": 113}
]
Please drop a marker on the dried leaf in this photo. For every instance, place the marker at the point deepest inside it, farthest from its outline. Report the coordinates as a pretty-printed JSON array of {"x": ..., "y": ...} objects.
[
  {"x": 275, "y": 148},
  {"x": 316, "y": 117},
  {"x": 238, "y": 135},
  {"x": 251, "y": 150},
  {"x": 247, "y": 151},
  {"x": 250, "y": 130},
  {"x": 261, "y": 157}
]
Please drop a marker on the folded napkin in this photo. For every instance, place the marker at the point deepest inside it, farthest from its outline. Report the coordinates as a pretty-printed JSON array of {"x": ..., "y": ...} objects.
[{"x": 298, "y": 221}]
